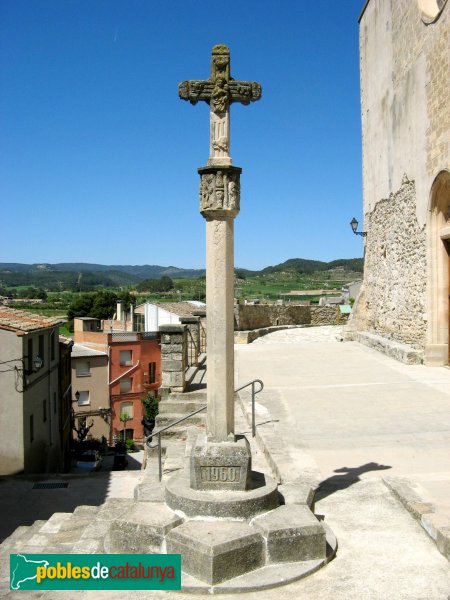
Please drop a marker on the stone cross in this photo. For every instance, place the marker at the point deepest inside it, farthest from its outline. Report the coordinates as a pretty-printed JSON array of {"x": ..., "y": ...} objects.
[
  {"x": 219, "y": 204},
  {"x": 219, "y": 91}
]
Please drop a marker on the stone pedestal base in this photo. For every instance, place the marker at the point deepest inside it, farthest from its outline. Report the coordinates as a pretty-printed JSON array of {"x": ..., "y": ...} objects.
[
  {"x": 221, "y": 465},
  {"x": 235, "y": 504}
]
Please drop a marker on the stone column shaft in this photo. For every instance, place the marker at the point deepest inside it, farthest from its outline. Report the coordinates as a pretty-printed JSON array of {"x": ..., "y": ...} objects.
[{"x": 220, "y": 327}]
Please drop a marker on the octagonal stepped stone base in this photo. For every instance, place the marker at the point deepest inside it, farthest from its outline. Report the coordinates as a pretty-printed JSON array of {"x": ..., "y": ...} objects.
[
  {"x": 216, "y": 551},
  {"x": 266, "y": 577},
  {"x": 235, "y": 504}
]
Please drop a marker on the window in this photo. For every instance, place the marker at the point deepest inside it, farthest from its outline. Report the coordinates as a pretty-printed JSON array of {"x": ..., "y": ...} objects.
[
  {"x": 31, "y": 428},
  {"x": 126, "y": 408},
  {"x": 84, "y": 398},
  {"x": 126, "y": 358},
  {"x": 126, "y": 385},
  {"x": 152, "y": 372},
  {"x": 44, "y": 410},
  {"x": 54, "y": 402},
  {"x": 83, "y": 368},
  {"x": 30, "y": 355},
  {"x": 129, "y": 434},
  {"x": 41, "y": 348}
]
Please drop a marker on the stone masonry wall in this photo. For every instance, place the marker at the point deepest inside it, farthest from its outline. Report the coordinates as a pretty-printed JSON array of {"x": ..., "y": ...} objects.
[
  {"x": 411, "y": 38},
  {"x": 395, "y": 269},
  {"x": 173, "y": 356},
  {"x": 256, "y": 316},
  {"x": 326, "y": 315}
]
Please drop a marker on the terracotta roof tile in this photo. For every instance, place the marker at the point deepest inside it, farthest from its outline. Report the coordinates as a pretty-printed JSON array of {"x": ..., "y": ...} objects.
[
  {"x": 182, "y": 309},
  {"x": 21, "y": 320}
]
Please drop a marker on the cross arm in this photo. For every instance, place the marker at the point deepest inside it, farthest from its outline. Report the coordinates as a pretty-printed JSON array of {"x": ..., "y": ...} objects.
[
  {"x": 195, "y": 90},
  {"x": 244, "y": 91}
]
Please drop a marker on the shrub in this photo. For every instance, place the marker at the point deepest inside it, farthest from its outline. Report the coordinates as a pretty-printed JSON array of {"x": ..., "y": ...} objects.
[{"x": 150, "y": 404}]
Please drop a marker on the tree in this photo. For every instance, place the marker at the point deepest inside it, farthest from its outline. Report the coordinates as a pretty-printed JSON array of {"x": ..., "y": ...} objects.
[
  {"x": 164, "y": 284},
  {"x": 104, "y": 305},
  {"x": 239, "y": 274},
  {"x": 81, "y": 307},
  {"x": 124, "y": 417},
  {"x": 127, "y": 299},
  {"x": 83, "y": 430}
]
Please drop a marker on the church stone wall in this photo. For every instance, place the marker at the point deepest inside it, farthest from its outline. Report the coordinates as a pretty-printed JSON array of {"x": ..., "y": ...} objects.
[
  {"x": 405, "y": 113},
  {"x": 395, "y": 267}
]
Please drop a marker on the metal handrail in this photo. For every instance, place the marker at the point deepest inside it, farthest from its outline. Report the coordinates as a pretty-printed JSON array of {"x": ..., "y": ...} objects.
[
  {"x": 158, "y": 433},
  {"x": 254, "y": 392}
]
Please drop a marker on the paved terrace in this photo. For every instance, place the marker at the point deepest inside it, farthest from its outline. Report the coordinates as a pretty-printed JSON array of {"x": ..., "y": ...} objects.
[
  {"x": 358, "y": 413},
  {"x": 348, "y": 416}
]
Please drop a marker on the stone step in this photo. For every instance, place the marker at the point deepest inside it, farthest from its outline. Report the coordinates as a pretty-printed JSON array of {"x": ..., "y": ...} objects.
[
  {"x": 195, "y": 395},
  {"x": 178, "y": 432},
  {"x": 162, "y": 420},
  {"x": 179, "y": 407}
]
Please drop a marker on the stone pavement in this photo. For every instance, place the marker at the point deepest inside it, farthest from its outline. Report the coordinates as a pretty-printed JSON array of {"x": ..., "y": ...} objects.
[
  {"x": 20, "y": 504},
  {"x": 347, "y": 416},
  {"x": 383, "y": 554},
  {"x": 357, "y": 412}
]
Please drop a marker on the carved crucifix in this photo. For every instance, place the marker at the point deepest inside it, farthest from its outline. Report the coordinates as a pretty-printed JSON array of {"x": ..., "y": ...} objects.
[{"x": 219, "y": 91}]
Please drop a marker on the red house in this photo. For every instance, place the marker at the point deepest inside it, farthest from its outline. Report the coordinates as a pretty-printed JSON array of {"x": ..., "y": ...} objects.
[{"x": 134, "y": 371}]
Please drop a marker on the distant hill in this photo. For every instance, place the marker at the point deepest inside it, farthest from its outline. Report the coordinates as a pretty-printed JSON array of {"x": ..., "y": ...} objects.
[
  {"x": 302, "y": 265},
  {"x": 138, "y": 272},
  {"x": 89, "y": 275},
  {"x": 64, "y": 280}
]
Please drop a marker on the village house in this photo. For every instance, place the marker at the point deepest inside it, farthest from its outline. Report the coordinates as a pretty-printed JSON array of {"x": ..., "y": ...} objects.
[
  {"x": 149, "y": 316},
  {"x": 91, "y": 391},
  {"x": 113, "y": 370},
  {"x": 35, "y": 426}
]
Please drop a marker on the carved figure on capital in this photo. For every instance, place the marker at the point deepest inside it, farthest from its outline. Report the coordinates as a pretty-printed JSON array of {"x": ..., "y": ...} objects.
[{"x": 219, "y": 191}]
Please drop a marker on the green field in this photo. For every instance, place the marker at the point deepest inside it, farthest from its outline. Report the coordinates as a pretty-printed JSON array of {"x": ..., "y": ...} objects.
[{"x": 267, "y": 286}]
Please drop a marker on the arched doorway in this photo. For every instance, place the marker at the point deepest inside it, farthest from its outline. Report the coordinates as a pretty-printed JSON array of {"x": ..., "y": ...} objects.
[{"x": 437, "y": 350}]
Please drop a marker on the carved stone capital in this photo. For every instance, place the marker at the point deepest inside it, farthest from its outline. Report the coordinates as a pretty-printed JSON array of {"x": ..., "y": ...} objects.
[{"x": 219, "y": 191}]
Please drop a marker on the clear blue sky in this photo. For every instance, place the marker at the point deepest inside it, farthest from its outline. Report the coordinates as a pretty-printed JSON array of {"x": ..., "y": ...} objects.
[{"x": 99, "y": 156}]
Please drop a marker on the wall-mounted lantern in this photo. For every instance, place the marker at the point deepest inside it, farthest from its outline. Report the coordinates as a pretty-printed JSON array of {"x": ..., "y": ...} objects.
[{"x": 354, "y": 226}]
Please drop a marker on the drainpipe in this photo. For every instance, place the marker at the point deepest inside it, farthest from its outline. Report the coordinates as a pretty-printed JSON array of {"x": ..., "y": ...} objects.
[{"x": 132, "y": 316}]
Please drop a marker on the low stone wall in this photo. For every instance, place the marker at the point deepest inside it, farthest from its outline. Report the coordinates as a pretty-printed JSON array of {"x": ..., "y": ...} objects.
[
  {"x": 401, "y": 352},
  {"x": 326, "y": 315},
  {"x": 257, "y": 316},
  {"x": 247, "y": 337}
]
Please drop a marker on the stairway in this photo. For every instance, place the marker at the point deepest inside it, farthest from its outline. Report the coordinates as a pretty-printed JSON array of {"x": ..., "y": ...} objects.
[
  {"x": 80, "y": 532},
  {"x": 179, "y": 404},
  {"x": 84, "y": 530}
]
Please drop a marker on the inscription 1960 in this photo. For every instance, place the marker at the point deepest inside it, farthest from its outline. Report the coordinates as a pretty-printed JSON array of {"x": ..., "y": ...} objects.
[{"x": 223, "y": 474}]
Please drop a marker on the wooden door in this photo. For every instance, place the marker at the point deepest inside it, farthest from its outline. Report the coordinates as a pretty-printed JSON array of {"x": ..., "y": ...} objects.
[{"x": 447, "y": 247}]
